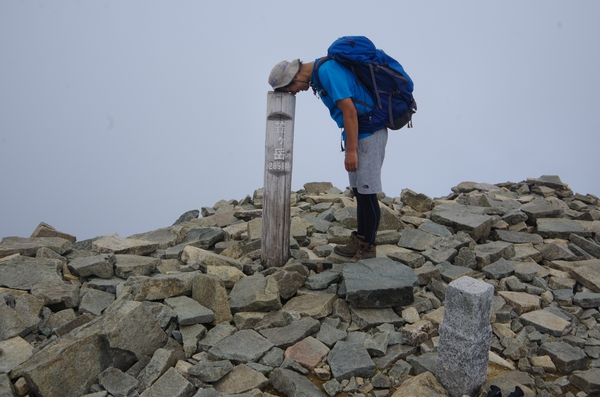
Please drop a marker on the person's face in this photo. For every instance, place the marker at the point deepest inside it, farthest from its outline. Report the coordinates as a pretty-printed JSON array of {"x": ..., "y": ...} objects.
[{"x": 295, "y": 87}]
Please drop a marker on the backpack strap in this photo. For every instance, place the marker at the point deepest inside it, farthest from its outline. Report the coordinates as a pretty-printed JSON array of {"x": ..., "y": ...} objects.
[
  {"x": 315, "y": 84},
  {"x": 319, "y": 91}
]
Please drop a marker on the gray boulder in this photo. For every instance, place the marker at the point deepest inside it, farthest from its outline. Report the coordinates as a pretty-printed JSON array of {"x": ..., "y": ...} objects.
[{"x": 378, "y": 283}]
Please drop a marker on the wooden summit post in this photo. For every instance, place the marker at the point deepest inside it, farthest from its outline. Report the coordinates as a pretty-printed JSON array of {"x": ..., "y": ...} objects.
[{"x": 279, "y": 144}]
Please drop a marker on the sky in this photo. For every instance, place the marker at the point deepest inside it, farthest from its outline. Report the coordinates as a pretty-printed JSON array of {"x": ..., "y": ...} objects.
[{"x": 118, "y": 116}]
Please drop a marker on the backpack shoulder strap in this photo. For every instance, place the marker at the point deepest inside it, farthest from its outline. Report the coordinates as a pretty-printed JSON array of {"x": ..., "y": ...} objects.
[{"x": 315, "y": 84}]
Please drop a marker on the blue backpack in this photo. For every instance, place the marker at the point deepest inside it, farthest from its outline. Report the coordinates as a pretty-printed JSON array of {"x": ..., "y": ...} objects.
[{"x": 382, "y": 76}]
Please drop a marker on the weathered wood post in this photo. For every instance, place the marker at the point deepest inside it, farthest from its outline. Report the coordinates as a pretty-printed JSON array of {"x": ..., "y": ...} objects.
[{"x": 279, "y": 143}]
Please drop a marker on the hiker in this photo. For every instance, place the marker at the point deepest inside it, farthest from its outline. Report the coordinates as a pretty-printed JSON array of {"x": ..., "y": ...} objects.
[{"x": 365, "y": 150}]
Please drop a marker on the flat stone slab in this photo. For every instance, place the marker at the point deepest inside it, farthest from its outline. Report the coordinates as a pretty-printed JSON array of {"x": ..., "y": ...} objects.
[
  {"x": 240, "y": 380},
  {"x": 309, "y": 352},
  {"x": 366, "y": 318},
  {"x": 378, "y": 283},
  {"x": 242, "y": 347},
  {"x": 521, "y": 302},
  {"x": 543, "y": 208},
  {"x": 29, "y": 246},
  {"x": 566, "y": 357},
  {"x": 547, "y": 322},
  {"x": 190, "y": 311},
  {"x": 171, "y": 383},
  {"x": 587, "y": 381},
  {"x": 449, "y": 272},
  {"x": 560, "y": 228},
  {"x": 13, "y": 351},
  {"x": 120, "y": 245},
  {"x": 292, "y": 384},
  {"x": 470, "y": 219},
  {"x": 311, "y": 305},
  {"x": 97, "y": 265},
  {"x": 161, "y": 286},
  {"x": 350, "y": 359},
  {"x": 589, "y": 276},
  {"x": 519, "y": 237},
  {"x": 417, "y": 240},
  {"x": 135, "y": 265},
  {"x": 23, "y": 272},
  {"x": 288, "y": 335},
  {"x": 499, "y": 269},
  {"x": 489, "y": 253},
  {"x": 255, "y": 294}
]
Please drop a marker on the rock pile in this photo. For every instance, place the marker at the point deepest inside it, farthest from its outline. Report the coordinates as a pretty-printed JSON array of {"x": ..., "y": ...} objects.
[{"x": 188, "y": 310}]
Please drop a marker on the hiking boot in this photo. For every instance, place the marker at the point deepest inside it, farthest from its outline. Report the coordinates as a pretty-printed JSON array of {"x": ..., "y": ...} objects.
[
  {"x": 365, "y": 251},
  {"x": 350, "y": 249}
]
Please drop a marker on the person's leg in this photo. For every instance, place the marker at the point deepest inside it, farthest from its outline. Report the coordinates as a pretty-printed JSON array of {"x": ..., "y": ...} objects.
[
  {"x": 368, "y": 216},
  {"x": 366, "y": 183}
]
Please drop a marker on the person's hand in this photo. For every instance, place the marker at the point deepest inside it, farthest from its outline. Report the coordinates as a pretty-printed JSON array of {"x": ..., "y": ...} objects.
[{"x": 351, "y": 161}]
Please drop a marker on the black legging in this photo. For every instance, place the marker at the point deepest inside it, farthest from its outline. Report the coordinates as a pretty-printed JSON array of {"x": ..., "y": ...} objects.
[{"x": 368, "y": 214}]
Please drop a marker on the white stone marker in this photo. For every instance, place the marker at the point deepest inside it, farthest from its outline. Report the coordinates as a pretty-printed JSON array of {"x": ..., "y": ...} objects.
[{"x": 465, "y": 337}]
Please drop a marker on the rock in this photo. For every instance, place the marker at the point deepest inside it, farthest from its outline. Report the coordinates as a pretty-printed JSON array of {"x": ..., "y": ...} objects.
[
  {"x": 116, "y": 382},
  {"x": 256, "y": 293},
  {"x": 369, "y": 318},
  {"x": 587, "y": 381},
  {"x": 204, "y": 237},
  {"x": 329, "y": 335},
  {"x": 215, "y": 335},
  {"x": 311, "y": 305},
  {"x": 350, "y": 359},
  {"x": 19, "y": 316},
  {"x": 567, "y": 358},
  {"x": 119, "y": 245},
  {"x": 424, "y": 384},
  {"x": 449, "y": 272},
  {"x": 13, "y": 351},
  {"x": 322, "y": 280},
  {"x": 24, "y": 273},
  {"x": 293, "y": 384},
  {"x": 191, "y": 254},
  {"x": 30, "y": 246},
  {"x": 462, "y": 217},
  {"x": 241, "y": 347},
  {"x": 190, "y": 335},
  {"x": 210, "y": 292},
  {"x": 189, "y": 311},
  {"x": 521, "y": 302},
  {"x": 161, "y": 361},
  {"x": 545, "y": 321},
  {"x": 241, "y": 379},
  {"x": 165, "y": 237},
  {"x": 134, "y": 265},
  {"x": 309, "y": 352},
  {"x": 560, "y": 228},
  {"x": 172, "y": 383},
  {"x": 418, "y": 201},
  {"x": 97, "y": 265},
  {"x": 417, "y": 240},
  {"x": 378, "y": 283},
  {"x": 211, "y": 371},
  {"x": 491, "y": 252},
  {"x": 95, "y": 301},
  {"x": 283, "y": 337},
  {"x": 160, "y": 286}
]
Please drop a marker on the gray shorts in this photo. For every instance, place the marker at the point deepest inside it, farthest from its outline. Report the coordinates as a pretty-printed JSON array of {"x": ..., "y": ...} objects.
[{"x": 371, "y": 152}]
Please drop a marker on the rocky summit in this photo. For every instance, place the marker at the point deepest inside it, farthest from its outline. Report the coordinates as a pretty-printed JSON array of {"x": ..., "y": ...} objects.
[{"x": 189, "y": 311}]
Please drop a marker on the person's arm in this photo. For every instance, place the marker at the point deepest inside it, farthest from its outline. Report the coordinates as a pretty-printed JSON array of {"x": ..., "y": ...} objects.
[{"x": 351, "y": 128}]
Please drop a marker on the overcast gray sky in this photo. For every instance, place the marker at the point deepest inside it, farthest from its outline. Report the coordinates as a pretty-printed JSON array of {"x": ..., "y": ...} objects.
[{"x": 119, "y": 116}]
